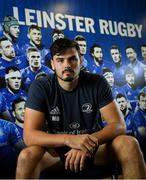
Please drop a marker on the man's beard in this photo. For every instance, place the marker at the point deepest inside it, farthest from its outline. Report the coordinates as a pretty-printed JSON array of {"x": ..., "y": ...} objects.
[
  {"x": 13, "y": 90},
  {"x": 68, "y": 79},
  {"x": 118, "y": 63},
  {"x": 38, "y": 45},
  {"x": 19, "y": 120},
  {"x": 100, "y": 62},
  {"x": 124, "y": 111}
]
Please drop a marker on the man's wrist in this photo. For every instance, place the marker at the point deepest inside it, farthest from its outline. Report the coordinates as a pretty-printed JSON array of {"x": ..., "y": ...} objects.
[{"x": 66, "y": 139}]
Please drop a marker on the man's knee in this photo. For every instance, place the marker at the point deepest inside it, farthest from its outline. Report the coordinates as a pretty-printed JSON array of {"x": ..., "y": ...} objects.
[
  {"x": 30, "y": 154},
  {"x": 126, "y": 146}
]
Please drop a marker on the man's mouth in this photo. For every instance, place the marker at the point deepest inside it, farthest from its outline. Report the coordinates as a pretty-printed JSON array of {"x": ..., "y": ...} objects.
[{"x": 68, "y": 71}]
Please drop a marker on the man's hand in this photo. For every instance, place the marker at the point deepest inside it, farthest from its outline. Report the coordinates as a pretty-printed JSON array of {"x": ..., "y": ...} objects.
[
  {"x": 85, "y": 142},
  {"x": 75, "y": 160}
]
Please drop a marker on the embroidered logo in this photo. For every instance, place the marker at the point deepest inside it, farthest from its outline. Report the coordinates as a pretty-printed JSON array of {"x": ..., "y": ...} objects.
[
  {"x": 87, "y": 108},
  {"x": 56, "y": 118},
  {"x": 74, "y": 125},
  {"x": 55, "y": 111}
]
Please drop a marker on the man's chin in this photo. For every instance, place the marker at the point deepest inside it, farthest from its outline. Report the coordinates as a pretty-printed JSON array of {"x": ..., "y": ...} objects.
[{"x": 68, "y": 79}]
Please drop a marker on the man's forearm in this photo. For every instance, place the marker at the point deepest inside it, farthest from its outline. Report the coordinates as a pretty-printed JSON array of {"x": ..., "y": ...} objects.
[
  {"x": 83, "y": 142},
  {"x": 44, "y": 139},
  {"x": 109, "y": 132}
]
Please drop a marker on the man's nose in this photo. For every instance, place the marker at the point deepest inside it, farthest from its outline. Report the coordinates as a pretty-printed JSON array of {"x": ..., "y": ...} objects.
[{"x": 67, "y": 63}]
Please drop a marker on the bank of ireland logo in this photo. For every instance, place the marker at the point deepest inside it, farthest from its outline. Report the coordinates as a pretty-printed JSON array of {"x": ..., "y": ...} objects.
[
  {"x": 87, "y": 108},
  {"x": 74, "y": 125}
]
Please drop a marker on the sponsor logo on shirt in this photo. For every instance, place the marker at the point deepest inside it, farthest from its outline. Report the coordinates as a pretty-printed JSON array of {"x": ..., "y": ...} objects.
[
  {"x": 55, "y": 111},
  {"x": 74, "y": 125},
  {"x": 56, "y": 118},
  {"x": 87, "y": 108}
]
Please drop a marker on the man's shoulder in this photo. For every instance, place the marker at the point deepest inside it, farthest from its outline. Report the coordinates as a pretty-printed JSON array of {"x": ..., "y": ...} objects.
[
  {"x": 44, "y": 81},
  {"x": 90, "y": 76}
]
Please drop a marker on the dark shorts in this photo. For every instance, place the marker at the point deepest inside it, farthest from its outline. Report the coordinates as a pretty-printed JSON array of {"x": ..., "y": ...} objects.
[{"x": 90, "y": 170}]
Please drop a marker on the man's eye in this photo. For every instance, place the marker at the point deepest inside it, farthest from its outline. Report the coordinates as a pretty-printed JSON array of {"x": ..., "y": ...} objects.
[
  {"x": 73, "y": 59},
  {"x": 60, "y": 60}
]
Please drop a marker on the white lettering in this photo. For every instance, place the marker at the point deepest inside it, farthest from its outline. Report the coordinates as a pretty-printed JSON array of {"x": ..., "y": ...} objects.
[
  {"x": 131, "y": 30},
  {"x": 16, "y": 15},
  {"x": 58, "y": 18},
  {"x": 29, "y": 17},
  {"x": 89, "y": 25},
  {"x": 120, "y": 28},
  {"x": 103, "y": 24},
  {"x": 79, "y": 24},
  {"x": 113, "y": 28},
  {"x": 39, "y": 19},
  {"x": 48, "y": 20},
  {"x": 76, "y": 23},
  {"x": 139, "y": 30},
  {"x": 70, "y": 21},
  {"x": 55, "y": 20}
]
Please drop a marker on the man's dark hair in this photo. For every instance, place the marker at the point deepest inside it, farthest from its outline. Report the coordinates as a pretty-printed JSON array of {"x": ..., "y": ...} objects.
[
  {"x": 143, "y": 45},
  {"x": 16, "y": 101},
  {"x": 8, "y": 22},
  {"x": 3, "y": 38},
  {"x": 92, "y": 48},
  {"x": 129, "y": 70},
  {"x": 141, "y": 94},
  {"x": 32, "y": 49},
  {"x": 57, "y": 31},
  {"x": 34, "y": 27},
  {"x": 120, "y": 96},
  {"x": 115, "y": 47},
  {"x": 79, "y": 38},
  {"x": 14, "y": 68},
  {"x": 128, "y": 47},
  {"x": 106, "y": 70},
  {"x": 61, "y": 45}
]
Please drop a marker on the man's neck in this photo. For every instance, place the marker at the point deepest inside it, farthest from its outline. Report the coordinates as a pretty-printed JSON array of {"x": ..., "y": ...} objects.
[
  {"x": 35, "y": 45},
  {"x": 133, "y": 62},
  {"x": 35, "y": 69},
  {"x": 8, "y": 36},
  {"x": 20, "y": 124},
  {"x": 96, "y": 62},
  {"x": 6, "y": 58},
  {"x": 68, "y": 86},
  {"x": 125, "y": 112}
]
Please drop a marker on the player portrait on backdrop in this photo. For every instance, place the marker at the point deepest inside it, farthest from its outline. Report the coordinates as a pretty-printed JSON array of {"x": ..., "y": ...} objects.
[{"x": 11, "y": 30}]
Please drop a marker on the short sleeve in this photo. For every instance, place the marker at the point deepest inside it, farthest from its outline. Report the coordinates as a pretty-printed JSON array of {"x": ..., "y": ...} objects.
[
  {"x": 104, "y": 93},
  {"x": 14, "y": 135},
  {"x": 3, "y": 106},
  {"x": 36, "y": 97},
  {"x": 139, "y": 120}
]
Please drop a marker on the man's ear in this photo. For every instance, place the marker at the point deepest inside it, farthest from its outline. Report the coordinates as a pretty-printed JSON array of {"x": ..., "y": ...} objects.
[
  {"x": 28, "y": 35},
  {"x": 92, "y": 54},
  {"x": 81, "y": 59},
  {"x": 52, "y": 64},
  {"x": 0, "y": 50},
  {"x": 13, "y": 114}
]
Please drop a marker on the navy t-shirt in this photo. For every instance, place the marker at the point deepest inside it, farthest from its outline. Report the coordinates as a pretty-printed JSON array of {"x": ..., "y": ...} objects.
[{"x": 74, "y": 112}]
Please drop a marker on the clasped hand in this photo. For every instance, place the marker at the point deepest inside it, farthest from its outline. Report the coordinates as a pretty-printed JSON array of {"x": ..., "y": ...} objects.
[
  {"x": 83, "y": 147},
  {"x": 75, "y": 160},
  {"x": 85, "y": 142}
]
